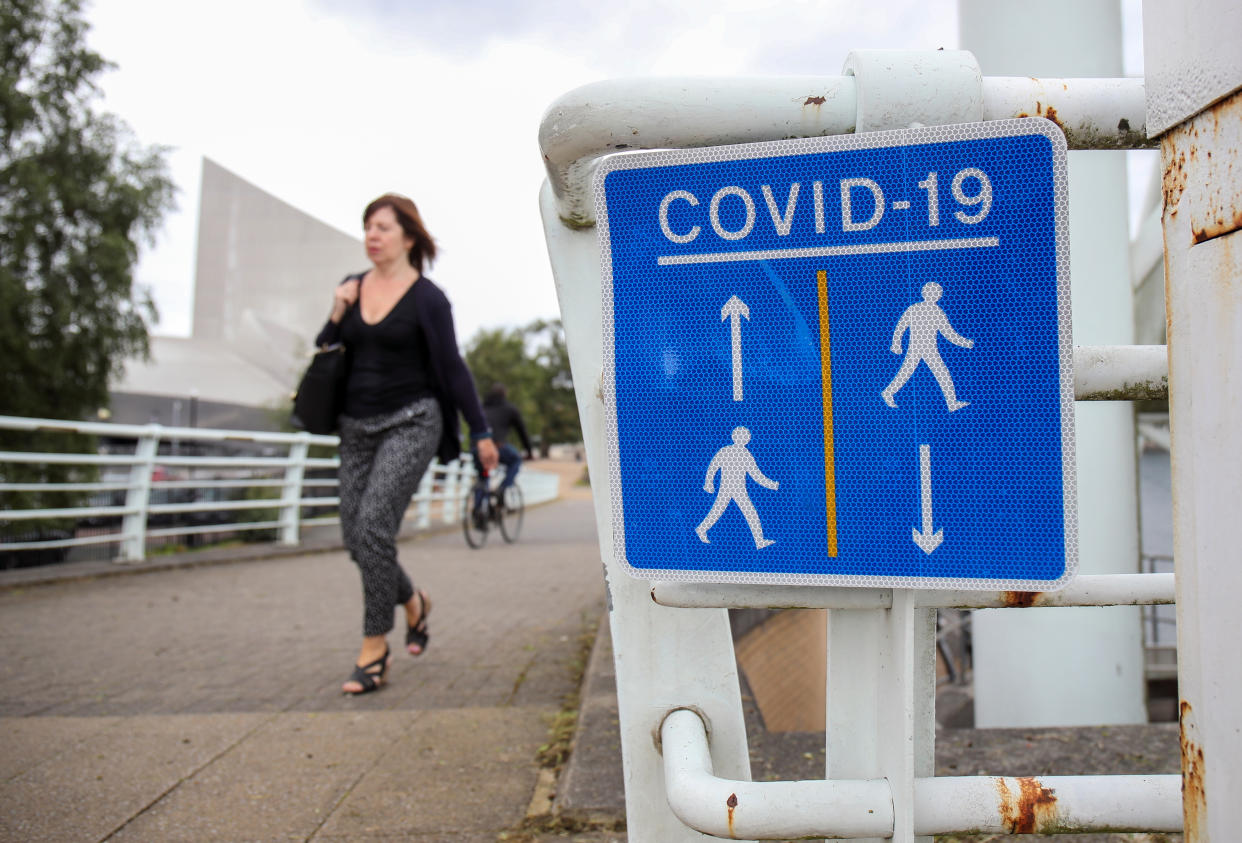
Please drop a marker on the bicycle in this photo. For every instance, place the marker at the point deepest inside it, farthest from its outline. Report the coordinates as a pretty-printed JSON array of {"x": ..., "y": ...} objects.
[{"x": 506, "y": 514}]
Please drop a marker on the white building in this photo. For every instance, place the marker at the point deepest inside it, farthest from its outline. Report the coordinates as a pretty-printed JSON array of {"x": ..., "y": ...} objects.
[{"x": 262, "y": 288}]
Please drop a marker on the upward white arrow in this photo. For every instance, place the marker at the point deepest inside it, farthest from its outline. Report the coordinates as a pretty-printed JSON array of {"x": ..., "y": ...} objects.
[
  {"x": 927, "y": 540},
  {"x": 735, "y": 309}
]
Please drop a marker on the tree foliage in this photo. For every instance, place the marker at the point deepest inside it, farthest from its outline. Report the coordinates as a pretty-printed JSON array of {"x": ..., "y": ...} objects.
[
  {"x": 76, "y": 195},
  {"x": 533, "y": 363}
]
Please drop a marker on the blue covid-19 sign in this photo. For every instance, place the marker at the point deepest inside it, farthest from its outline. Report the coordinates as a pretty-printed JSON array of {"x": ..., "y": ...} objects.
[{"x": 844, "y": 360}]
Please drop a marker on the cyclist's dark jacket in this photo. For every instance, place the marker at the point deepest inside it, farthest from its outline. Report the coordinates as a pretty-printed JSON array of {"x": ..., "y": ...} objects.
[
  {"x": 446, "y": 376},
  {"x": 501, "y": 416}
]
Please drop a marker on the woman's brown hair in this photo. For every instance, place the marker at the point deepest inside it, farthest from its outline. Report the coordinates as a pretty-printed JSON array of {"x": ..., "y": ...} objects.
[{"x": 424, "y": 248}]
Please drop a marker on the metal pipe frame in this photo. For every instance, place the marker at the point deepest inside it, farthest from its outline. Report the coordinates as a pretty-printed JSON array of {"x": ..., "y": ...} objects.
[
  {"x": 851, "y": 808},
  {"x": 618, "y": 115},
  {"x": 1085, "y": 590}
]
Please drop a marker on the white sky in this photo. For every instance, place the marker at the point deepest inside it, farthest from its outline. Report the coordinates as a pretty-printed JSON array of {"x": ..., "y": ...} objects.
[{"x": 329, "y": 103}]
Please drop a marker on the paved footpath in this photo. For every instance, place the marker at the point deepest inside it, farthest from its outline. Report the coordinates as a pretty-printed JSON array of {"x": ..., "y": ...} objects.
[{"x": 203, "y": 703}]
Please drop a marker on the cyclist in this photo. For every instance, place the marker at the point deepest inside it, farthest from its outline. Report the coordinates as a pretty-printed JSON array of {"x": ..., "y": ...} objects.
[{"x": 502, "y": 417}]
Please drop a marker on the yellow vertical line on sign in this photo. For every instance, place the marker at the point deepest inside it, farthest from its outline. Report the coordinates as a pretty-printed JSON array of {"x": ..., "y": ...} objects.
[{"x": 825, "y": 360}]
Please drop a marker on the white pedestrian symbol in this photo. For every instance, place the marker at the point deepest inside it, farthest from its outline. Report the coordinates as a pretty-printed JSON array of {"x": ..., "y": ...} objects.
[
  {"x": 735, "y": 463},
  {"x": 926, "y": 323}
]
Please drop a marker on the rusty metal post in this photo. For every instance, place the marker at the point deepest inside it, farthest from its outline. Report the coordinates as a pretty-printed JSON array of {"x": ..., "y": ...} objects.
[
  {"x": 1194, "y": 105},
  {"x": 1202, "y": 162}
]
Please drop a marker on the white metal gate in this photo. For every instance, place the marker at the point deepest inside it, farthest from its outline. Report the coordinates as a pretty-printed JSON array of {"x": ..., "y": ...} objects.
[{"x": 684, "y": 745}]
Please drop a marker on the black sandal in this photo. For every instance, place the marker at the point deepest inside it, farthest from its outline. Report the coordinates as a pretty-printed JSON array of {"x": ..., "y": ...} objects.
[
  {"x": 371, "y": 676},
  {"x": 418, "y": 634}
]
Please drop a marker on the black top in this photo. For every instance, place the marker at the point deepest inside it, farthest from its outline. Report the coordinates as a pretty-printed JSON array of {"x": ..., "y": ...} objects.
[
  {"x": 388, "y": 361},
  {"x": 445, "y": 373},
  {"x": 501, "y": 416}
]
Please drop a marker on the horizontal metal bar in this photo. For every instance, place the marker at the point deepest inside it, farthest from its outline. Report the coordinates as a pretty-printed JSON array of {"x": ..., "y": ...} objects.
[
  {"x": 1121, "y": 372},
  {"x": 626, "y": 114},
  {"x": 320, "y": 502},
  {"x": 1156, "y": 435},
  {"x": 323, "y": 519},
  {"x": 864, "y": 808},
  {"x": 69, "y": 459},
  {"x": 74, "y": 512},
  {"x": 224, "y": 462},
  {"x": 133, "y": 431},
  {"x": 236, "y": 483},
  {"x": 77, "y": 541},
  {"x": 1084, "y": 590},
  {"x": 1047, "y": 804},
  {"x": 214, "y": 506},
  {"x": 63, "y": 487},
  {"x": 213, "y": 528}
]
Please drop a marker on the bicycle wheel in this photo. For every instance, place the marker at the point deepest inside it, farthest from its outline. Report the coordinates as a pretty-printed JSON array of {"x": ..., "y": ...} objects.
[
  {"x": 510, "y": 513},
  {"x": 475, "y": 528}
]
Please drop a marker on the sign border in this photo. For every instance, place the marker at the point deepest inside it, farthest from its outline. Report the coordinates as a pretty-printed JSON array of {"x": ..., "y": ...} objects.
[{"x": 1015, "y": 127}]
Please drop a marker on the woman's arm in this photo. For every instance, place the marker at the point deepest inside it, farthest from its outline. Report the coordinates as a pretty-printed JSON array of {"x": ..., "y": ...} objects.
[
  {"x": 343, "y": 297},
  {"x": 456, "y": 376}
]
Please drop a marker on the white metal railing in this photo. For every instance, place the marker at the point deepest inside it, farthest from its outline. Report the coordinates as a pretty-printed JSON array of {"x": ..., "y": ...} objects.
[
  {"x": 852, "y": 808},
  {"x": 141, "y": 483}
]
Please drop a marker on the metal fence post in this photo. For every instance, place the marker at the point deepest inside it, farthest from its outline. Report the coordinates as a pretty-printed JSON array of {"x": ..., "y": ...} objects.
[
  {"x": 452, "y": 473},
  {"x": 1202, "y": 162},
  {"x": 291, "y": 491},
  {"x": 881, "y": 699},
  {"x": 134, "y": 524}
]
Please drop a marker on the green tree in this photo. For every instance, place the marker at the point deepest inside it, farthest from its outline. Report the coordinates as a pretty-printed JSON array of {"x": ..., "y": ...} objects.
[
  {"x": 533, "y": 363},
  {"x": 76, "y": 195}
]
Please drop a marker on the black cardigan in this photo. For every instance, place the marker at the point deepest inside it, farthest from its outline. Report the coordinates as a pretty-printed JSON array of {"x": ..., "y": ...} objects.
[{"x": 451, "y": 381}]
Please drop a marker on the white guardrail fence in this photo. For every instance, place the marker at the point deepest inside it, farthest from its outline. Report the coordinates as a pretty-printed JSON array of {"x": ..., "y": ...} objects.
[{"x": 204, "y": 482}]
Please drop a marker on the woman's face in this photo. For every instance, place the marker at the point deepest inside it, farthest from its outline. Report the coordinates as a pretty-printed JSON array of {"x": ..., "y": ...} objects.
[{"x": 386, "y": 241}]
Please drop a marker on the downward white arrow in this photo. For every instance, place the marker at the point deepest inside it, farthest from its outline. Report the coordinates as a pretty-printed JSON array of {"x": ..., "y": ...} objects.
[
  {"x": 735, "y": 308},
  {"x": 927, "y": 540}
]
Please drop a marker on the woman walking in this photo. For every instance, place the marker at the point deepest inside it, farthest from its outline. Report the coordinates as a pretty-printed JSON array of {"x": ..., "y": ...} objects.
[{"x": 406, "y": 385}]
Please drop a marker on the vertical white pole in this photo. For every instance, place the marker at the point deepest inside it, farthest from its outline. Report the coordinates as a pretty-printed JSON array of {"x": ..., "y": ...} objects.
[
  {"x": 665, "y": 658},
  {"x": 134, "y": 525},
  {"x": 422, "y": 518},
  {"x": 881, "y": 701},
  {"x": 1202, "y": 163},
  {"x": 291, "y": 491},
  {"x": 1059, "y": 667},
  {"x": 453, "y": 482}
]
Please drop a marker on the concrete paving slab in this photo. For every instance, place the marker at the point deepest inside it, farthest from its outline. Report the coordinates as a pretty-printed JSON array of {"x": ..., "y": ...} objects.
[
  {"x": 110, "y": 775},
  {"x": 464, "y": 770},
  {"x": 280, "y": 783},
  {"x": 27, "y": 743}
]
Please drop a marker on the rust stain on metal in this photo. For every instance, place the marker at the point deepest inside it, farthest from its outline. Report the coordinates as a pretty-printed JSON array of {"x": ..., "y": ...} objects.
[
  {"x": 1031, "y": 808},
  {"x": 1050, "y": 113},
  {"x": 1173, "y": 180},
  {"x": 1221, "y": 210},
  {"x": 1201, "y": 161},
  {"x": 1214, "y": 228},
  {"x": 731, "y": 802},
  {"x": 815, "y": 101},
  {"x": 1194, "y": 793},
  {"x": 1021, "y": 599}
]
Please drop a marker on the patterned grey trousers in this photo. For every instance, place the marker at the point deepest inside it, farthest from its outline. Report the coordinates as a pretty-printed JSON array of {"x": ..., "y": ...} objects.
[{"x": 383, "y": 458}]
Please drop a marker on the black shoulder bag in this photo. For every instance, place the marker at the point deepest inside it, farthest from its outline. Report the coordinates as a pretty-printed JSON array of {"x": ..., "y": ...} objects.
[{"x": 321, "y": 392}]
